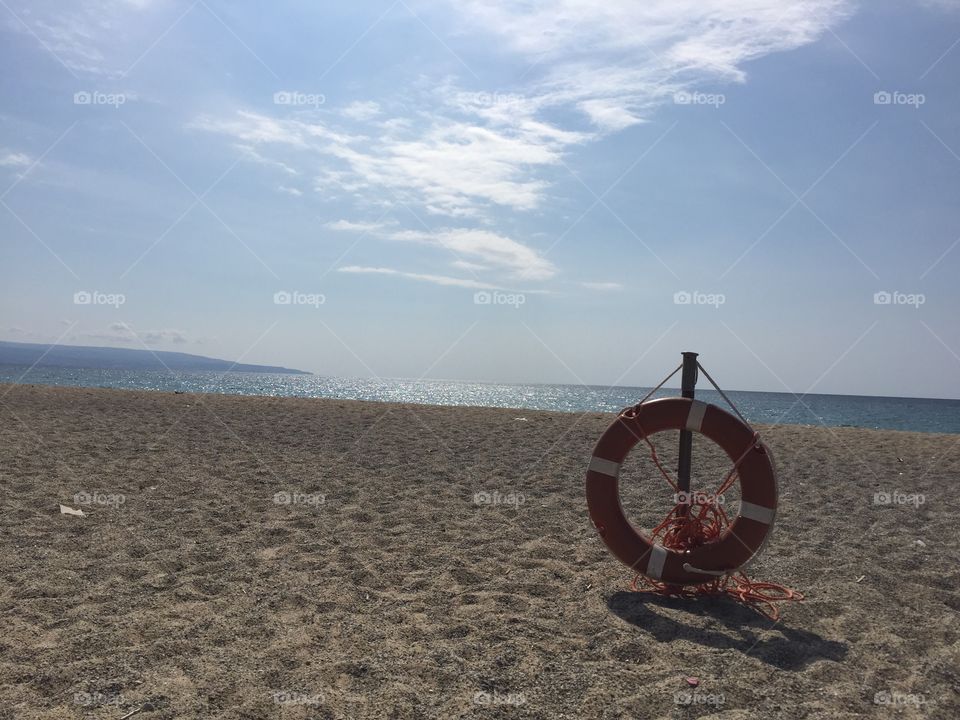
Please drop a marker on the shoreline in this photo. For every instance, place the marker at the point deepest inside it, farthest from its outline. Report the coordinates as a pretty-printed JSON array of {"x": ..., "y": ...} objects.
[{"x": 189, "y": 393}]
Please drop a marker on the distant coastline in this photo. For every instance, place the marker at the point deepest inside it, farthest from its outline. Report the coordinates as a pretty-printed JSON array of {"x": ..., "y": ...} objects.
[{"x": 42, "y": 355}]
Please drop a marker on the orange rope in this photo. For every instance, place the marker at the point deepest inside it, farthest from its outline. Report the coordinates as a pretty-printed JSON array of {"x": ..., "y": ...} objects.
[
  {"x": 759, "y": 595},
  {"x": 705, "y": 521}
]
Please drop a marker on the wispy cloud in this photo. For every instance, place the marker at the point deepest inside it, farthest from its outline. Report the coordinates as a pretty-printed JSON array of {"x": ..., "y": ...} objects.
[
  {"x": 476, "y": 156},
  {"x": 250, "y": 153},
  {"x": 350, "y": 226},
  {"x": 14, "y": 159},
  {"x": 450, "y": 167},
  {"x": 361, "y": 110},
  {"x": 87, "y": 37},
  {"x": 422, "y": 277},
  {"x": 619, "y": 60},
  {"x": 493, "y": 251},
  {"x": 517, "y": 259},
  {"x": 461, "y": 154}
]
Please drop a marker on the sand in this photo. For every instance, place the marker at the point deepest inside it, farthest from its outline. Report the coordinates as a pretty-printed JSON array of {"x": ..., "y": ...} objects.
[{"x": 376, "y": 586}]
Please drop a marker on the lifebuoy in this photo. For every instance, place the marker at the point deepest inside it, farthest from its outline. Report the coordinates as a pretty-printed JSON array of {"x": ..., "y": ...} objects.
[{"x": 741, "y": 541}]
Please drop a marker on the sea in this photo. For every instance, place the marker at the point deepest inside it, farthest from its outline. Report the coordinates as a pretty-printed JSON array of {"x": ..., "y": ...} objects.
[{"x": 892, "y": 413}]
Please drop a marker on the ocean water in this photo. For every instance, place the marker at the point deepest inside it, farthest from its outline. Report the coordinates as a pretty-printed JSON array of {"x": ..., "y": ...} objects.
[
  {"x": 918, "y": 414},
  {"x": 922, "y": 415}
]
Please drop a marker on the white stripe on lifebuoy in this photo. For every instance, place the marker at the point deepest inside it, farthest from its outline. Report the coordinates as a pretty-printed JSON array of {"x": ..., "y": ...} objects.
[
  {"x": 604, "y": 466},
  {"x": 757, "y": 512},
  {"x": 658, "y": 556},
  {"x": 695, "y": 417}
]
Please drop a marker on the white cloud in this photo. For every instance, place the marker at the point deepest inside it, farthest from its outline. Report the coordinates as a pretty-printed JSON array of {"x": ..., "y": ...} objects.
[
  {"x": 462, "y": 154},
  {"x": 472, "y": 267},
  {"x": 423, "y": 277},
  {"x": 87, "y": 36},
  {"x": 251, "y": 154},
  {"x": 618, "y": 59},
  {"x": 454, "y": 167},
  {"x": 15, "y": 159},
  {"x": 519, "y": 260},
  {"x": 289, "y": 190},
  {"x": 361, "y": 110},
  {"x": 474, "y": 155},
  {"x": 253, "y": 129},
  {"x": 468, "y": 245},
  {"x": 348, "y": 226},
  {"x": 608, "y": 114}
]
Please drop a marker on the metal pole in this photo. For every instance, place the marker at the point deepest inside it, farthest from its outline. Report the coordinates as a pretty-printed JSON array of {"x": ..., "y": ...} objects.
[{"x": 688, "y": 381}]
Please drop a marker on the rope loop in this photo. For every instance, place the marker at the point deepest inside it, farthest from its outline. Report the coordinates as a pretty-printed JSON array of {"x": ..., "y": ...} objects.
[{"x": 698, "y": 519}]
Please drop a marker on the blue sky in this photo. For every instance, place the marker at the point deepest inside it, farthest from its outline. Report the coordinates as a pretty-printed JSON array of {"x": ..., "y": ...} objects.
[{"x": 545, "y": 192}]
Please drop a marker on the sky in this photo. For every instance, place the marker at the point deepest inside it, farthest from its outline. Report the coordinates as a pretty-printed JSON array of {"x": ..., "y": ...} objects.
[{"x": 553, "y": 191}]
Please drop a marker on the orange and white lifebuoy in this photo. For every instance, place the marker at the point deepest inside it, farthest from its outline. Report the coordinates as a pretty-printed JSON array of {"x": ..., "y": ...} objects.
[{"x": 738, "y": 544}]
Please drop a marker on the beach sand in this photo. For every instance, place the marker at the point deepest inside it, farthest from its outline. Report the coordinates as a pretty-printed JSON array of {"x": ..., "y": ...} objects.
[{"x": 383, "y": 589}]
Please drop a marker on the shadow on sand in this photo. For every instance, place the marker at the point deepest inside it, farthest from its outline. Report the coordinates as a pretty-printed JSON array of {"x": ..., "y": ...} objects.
[{"x": 729, "y": 625}]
